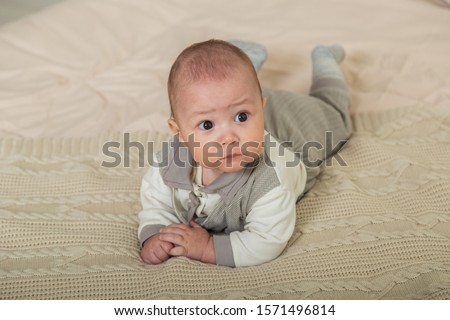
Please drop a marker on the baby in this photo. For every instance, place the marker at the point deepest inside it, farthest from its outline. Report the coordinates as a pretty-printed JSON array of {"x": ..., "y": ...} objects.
[{"x": 240, "y": 157}]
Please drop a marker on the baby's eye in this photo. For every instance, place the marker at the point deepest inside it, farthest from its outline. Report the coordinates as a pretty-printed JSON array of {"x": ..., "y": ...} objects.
[
  {"x": 206, "y": 125},
  {"x": 241, "y": 117}
]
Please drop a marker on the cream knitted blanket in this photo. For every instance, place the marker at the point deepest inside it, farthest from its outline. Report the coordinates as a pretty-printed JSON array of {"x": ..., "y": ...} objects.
[{"x": 378, "y": 228}]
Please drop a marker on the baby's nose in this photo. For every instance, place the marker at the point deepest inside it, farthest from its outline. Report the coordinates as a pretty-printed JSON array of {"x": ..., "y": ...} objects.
[{"x": 229, "y": 137}]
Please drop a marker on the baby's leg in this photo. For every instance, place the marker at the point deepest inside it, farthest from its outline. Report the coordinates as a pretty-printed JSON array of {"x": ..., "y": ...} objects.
[
  {"x": 328, "y": 83},
  {"x": 303, "y": 121}
]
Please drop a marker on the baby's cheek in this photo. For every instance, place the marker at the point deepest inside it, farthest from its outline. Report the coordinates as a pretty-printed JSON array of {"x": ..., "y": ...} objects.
[
  {"x": 252, "y": 149},
  {"x": 212, "y": 151}
]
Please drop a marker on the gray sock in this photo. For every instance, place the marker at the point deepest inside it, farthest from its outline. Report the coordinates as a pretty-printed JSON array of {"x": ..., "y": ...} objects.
[
  {"x": 325, "y": 62},
  {"x": 256, "y": 52}
]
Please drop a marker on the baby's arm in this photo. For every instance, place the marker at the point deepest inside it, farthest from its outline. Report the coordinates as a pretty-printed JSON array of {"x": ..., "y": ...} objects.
[
  {"x": 157, "y": 212},
  {"x": 269, "y": 226}
]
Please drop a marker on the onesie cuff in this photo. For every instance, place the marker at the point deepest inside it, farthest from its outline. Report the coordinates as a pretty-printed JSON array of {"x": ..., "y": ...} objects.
[
  {"x": 223, "y": 250},
  {"x": 149, "y": 231}
]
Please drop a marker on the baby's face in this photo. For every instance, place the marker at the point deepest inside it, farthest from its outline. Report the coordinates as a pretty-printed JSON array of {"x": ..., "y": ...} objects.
[{"x": 222, "y": 122}]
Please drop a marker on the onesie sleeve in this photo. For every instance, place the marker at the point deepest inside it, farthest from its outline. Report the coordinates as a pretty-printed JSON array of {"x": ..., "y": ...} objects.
[
  {"x": 223, "y": 250},
  {"x": 269, "y": 226},
  {"x": 157, "y": 210}
]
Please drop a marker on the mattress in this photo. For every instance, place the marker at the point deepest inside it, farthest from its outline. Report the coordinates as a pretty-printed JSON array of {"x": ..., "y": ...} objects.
[{"x": 80, "y": 74}]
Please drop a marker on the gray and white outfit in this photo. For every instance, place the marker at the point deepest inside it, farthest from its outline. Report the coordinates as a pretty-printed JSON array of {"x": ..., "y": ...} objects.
[{"x": 251, "y": 213}]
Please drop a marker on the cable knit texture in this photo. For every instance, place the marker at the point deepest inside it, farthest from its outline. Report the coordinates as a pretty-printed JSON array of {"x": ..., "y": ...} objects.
[{"x": 377, "y": 228}]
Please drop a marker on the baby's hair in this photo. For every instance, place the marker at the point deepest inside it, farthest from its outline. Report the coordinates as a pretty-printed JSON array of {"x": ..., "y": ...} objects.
[{"x": 212, "y": 59}]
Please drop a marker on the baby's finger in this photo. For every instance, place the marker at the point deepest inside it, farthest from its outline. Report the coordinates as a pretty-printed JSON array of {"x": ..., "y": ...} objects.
[
  {"x": 178, "y": 251},
  {"x": 174, "y": 238},
  {"x": 178, "y": 225},
  {"x": 160, "y": 255},
  {"x": 174, "y": 228},
  {"x": 194, "y": 224},
  {"x": 166, "y": 246},
  {"x": 151, "y": 258}
]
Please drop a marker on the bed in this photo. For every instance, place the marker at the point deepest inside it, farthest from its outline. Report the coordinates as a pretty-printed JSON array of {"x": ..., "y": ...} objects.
[{"x": 83, "y": 73}]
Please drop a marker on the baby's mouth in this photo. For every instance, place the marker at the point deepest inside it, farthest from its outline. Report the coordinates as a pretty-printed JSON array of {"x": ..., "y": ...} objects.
[{"x": 232, "y": 155}]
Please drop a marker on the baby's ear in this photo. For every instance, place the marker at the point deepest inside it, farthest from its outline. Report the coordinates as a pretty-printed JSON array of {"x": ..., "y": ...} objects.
[
  {"x": 173, "y": 126},
  {"x": 264, "y": 101}
]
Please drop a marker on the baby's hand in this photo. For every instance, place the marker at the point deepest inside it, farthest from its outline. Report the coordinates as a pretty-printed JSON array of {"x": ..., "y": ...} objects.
[
  {"x": 155, "y": 251},
  {"x": 191, "y": 241}
]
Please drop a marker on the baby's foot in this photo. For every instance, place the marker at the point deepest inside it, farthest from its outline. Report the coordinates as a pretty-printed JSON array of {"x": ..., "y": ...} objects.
[
  {"x": 255, "y": 51},
  {"x": 325, "y": 63},
  {"x": 336, "y": 50}
]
